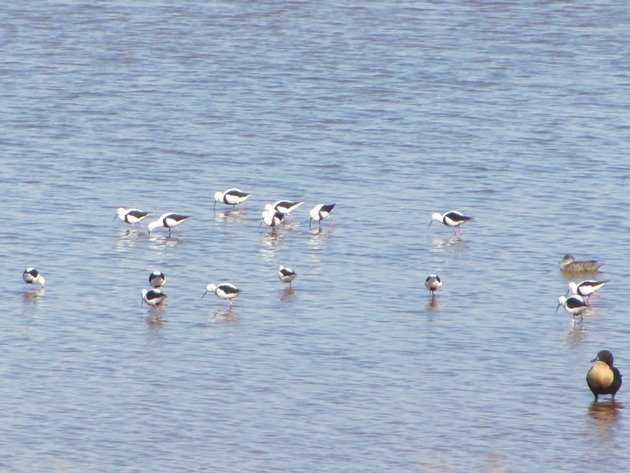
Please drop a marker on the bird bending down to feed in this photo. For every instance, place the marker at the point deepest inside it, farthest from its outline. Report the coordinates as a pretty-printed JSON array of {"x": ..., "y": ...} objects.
[
  {"x": 585, "y": 288},
  {"x": 153, "y": 297},
  {"x": 569, "y": 265},
  {"x": 168, "y": 220},
  {"x": 433, "y": 283},
  {"x": 231, "y": 197},
  {"x": 574, "y": 305},
  {"x": 320, "y": 212},
  {"x": 157, "y": 279},
  {"x": 131, "y": 216},
  {"x": 271, "y": 216},
  {"x": 285, "y": 207},
  {"x": 225, "y": 291},
  {"x": 451, "y": 219},
  {"x": 603, "y": 377},
  {"x": 286, "y": 274},
  {"x": 31, "y": 277}
]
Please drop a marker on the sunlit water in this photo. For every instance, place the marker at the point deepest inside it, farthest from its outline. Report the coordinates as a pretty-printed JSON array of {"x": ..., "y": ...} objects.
[{"x": 513, "y": 113}]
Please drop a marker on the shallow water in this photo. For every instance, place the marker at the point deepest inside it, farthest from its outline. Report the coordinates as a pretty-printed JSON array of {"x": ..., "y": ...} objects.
[{"x": 514, "y": 114}]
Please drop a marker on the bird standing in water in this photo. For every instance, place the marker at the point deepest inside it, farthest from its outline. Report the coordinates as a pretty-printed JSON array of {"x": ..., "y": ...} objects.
[
  {"x": 433, "y": 283},
  {"x": 31, "y": 277},
  {"x": 603, "y": 377},
  {"x": 286, "y": 274},
  {"x": 451, "y": 219},
  {"x": 157, "y": 279},
  {"x": 225, "y": 291}
]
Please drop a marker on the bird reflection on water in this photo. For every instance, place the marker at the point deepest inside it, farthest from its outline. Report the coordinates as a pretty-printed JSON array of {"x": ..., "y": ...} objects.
[
  {"x": 433, "y": 304},
  {"x": 226, "y": 315},
  {"x": 575, "y": 335},
  {"x": 31, "y": 297},
  {"x": 270, "y": 244},
  {"x": 458, "y": 242},
  {"x": 131, "y": 233},
  {"x": 158, "y": 241},
  {"x": 605, "y": 415},
  {"x": 232, "y": 215},
  {"x": 154, "y": 321},
  {"x": 287, "y": 293}
]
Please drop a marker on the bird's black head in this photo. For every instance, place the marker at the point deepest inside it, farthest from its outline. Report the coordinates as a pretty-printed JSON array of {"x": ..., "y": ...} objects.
[{"x": 605, "y": 356}]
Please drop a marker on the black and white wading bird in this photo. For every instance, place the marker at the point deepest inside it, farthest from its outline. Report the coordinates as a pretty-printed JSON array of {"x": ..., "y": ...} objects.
[
  {"x": 286, "y": 275},
  {"x": 157, "y": 279},
  {"x": 433, "y": 283},
  {"x": 168, "y": 220},
  {"x": 131, "y": 216},
  {"x": 320, "y": 212},
  {"x": 285, "y": 207},
  {"x": 574, "y": 305},
  {"x": 451, "y": 219},
  {"x": 603, "y": 377},
  {"x": 225, "y": 291},
  {"x": 153, "y": 298},
  {"x": 32, "y": 278},
  {"x": 271, "y": 217},
  {"x": 231, "y": 197},
  {"x": 585, "y": 288}
]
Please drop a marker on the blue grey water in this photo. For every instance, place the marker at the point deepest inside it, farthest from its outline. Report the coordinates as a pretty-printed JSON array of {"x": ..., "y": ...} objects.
[{"x": 513, "y": 112}]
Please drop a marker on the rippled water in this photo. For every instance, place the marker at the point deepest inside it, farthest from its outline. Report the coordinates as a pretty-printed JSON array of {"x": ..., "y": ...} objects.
[{"x": 513, "y": 113}]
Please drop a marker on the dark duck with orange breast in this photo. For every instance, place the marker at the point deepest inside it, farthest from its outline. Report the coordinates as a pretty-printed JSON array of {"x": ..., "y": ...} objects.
[{"x": 603, "y": 377}]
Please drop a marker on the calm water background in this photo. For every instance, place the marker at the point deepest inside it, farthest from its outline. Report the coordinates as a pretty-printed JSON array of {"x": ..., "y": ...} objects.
[{"x": 515, "y": 113}]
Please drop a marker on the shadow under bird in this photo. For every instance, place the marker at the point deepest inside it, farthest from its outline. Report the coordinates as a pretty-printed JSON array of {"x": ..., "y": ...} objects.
[
  {"x": 569, "y": 265},
  {"x": 320, "y": 212},
  {"x": 153, "y": 297},
  {"x": 603, "y": 377},
  {"x": 131, "y": 216},
  {"x": 32, "y": 277},
  {"x": 168, "y": 220},
  {"x": 286, "y": 275},
  {"x": 585, "y": 288},
  {"x": 225, "y": 291},
  {"x": 231, "y": 197},
  {"x": 433, "y": 283},
  {"x": 451, "y": 219},
  {"x": 157, "y": 279}
]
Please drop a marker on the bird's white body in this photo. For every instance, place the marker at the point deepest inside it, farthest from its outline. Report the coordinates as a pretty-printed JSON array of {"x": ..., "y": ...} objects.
[
  {"x": 157, "y": 279},
  {"x": 153, "y": 297},
  {"x": 586, "y": 288},
  {"x": 231, "y": 196},
  {"x": 451, "y": 219},
  {"x": 574, "y": 305},
  {"x": 32, "y": 277},
  {"x": 320, "y": 212},
  {"x": 286, "y": 206},
  {"x": 131, "y": 216},
  {"x": 271, "y": 216},
  {"x": 286, "y": 275},
  {"x": 168, "y": 220},
  {"x": 225, "y": 291}
]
